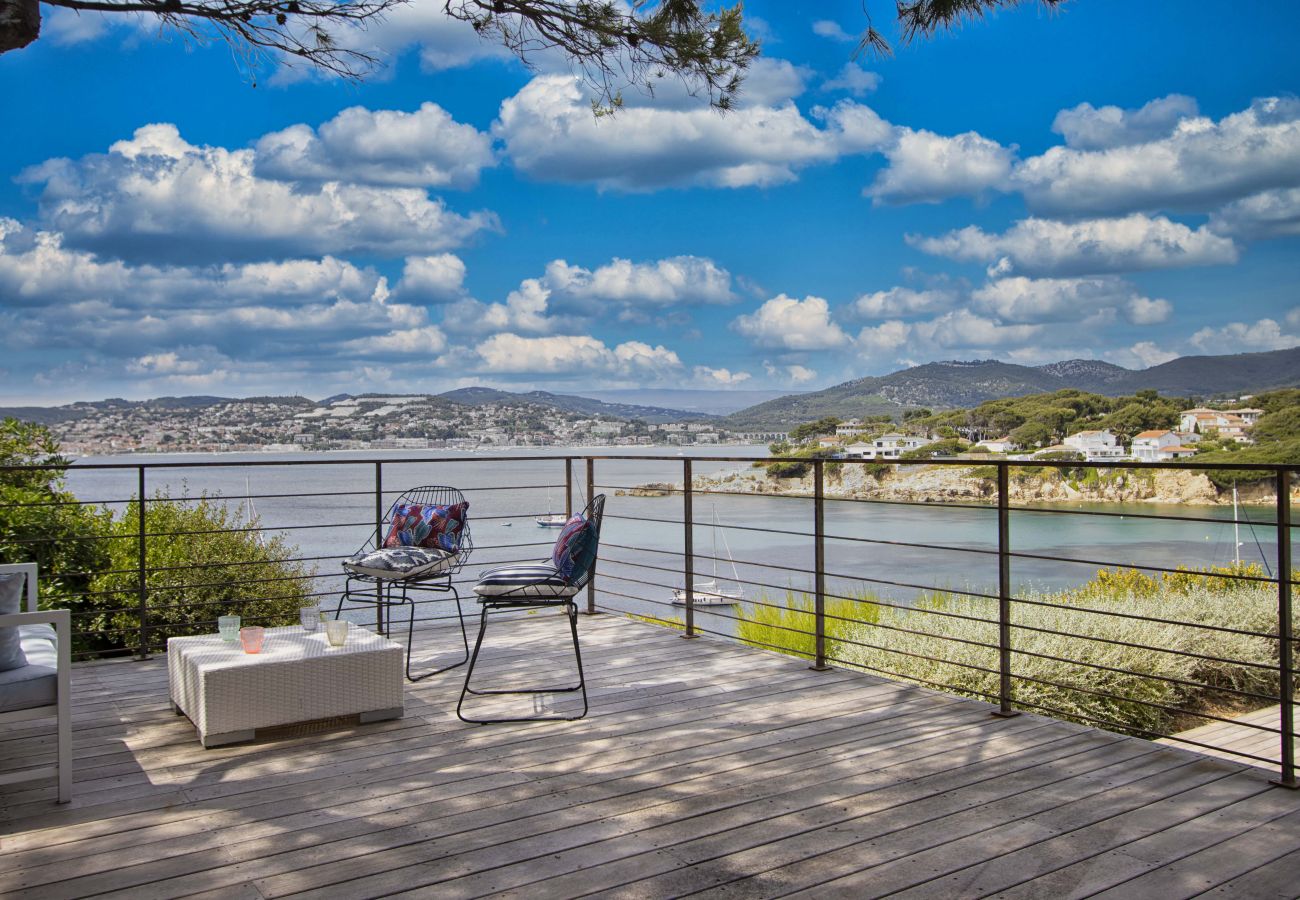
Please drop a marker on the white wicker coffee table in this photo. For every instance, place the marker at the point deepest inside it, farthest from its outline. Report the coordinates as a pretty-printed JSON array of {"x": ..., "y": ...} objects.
[{"x": 298, "y": 677}]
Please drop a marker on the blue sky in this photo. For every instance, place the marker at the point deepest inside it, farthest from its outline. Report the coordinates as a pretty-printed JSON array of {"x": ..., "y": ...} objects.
[{"x": 1118, "y": 181}]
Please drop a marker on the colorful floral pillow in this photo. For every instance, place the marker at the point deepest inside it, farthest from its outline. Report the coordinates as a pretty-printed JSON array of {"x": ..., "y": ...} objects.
[
  {"x": 415, "y": 525},
  {"x": 575, "y": 548}
]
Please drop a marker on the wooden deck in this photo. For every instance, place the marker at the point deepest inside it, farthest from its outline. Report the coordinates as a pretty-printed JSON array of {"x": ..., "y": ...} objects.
[
  {"x": 703, "y": 769},
  {"x": 1225, "y": 737}
]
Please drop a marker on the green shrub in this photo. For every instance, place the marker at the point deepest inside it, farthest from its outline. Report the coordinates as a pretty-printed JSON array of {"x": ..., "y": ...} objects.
[
  {"x": 203, "y": 559},
  {"x": 791, "y": 628}
]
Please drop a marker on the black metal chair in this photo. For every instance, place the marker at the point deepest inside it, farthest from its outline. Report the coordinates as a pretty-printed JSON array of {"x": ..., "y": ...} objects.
[
  {"x": 392, "y": 588},
  {"x": 537, "y": 586}
]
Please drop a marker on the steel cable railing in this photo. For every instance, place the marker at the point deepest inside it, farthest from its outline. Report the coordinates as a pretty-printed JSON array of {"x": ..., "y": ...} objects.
[{"x": 871, "y": 620}]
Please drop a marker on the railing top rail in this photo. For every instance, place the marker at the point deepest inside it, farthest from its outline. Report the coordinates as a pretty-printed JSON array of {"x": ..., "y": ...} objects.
[{"x": 968, "y": 463}]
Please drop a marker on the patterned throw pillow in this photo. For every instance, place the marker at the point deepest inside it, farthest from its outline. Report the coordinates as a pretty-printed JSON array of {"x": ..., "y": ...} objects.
[
  {"x": 415, "y": 525},
  {"x": 575, "y": 548},
  {"x": 400, "y": 563}
]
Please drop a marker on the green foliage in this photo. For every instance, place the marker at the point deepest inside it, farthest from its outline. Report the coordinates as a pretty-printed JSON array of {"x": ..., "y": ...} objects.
[
  {"x": 946, "y": 447},
  {"x": 1282, "y": 425},
  {"x": 1287, "y": 451},
  {"x": 1143, "y": 414},
  {"x": 791, "y": 628},
  {"x": 801, "y": 433},
  {"x": 203, "y": 560}
]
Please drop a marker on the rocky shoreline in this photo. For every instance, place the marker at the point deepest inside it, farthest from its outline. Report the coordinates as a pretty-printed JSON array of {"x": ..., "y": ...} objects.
[{"x": 948, "y": 484}]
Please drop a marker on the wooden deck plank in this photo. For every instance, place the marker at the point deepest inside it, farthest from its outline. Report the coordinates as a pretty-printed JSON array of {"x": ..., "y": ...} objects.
[{"x": 704, "y": 767}]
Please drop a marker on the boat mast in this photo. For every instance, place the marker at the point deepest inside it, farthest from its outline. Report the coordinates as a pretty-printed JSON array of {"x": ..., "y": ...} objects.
[{"x": 1236, "y": 528}]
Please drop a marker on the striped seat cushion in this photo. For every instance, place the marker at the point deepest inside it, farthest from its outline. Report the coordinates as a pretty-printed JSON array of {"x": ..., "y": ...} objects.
[
  {"x": 400, "y": 563},
  {"x": 536, "y": 580}
]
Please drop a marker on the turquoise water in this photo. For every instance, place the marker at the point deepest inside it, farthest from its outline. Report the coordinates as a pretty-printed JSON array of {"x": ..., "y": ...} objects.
[{"x": 507, "y": 493}]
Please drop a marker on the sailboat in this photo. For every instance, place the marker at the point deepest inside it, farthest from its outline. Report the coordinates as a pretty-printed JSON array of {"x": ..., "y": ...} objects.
[
  {"x": 707, "y": 592},
  {"x": 551, "y": 520}
]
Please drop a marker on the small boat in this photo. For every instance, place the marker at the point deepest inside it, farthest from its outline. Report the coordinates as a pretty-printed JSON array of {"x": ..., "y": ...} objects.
[
  {"x": 554, "y": 520},
  {"x": 707, "y": 592},
  {"x": 506, "y": 524}
]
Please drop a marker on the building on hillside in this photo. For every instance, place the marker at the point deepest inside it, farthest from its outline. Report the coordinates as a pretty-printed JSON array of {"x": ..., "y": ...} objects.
[
  {"x": 829, "y": 441},
  {"x": 1161, "y": 445},
  {"x": 887, "y": 446},
  {"x": 999, "y": 445},
  {"x": 1229, "y": 423},
  {"x": 851, "y": 428},
  {"x": 1096, "y": 445}
]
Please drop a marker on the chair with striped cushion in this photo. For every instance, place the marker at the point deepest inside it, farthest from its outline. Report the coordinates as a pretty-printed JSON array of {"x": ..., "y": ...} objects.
[{"x": 550, "y": 583}]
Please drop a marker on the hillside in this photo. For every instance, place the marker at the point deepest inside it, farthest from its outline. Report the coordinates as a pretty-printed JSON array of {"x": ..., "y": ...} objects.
[
  {"x": 948, "y": 385},
  {"x": 479, "y": 396}
]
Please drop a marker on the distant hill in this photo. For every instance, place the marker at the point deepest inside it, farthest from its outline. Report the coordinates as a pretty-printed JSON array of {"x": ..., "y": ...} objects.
[
  {"x": 480, "y": 396},
  {"x": 947, "y": 385},
  {"x": 704, "y": 401}
]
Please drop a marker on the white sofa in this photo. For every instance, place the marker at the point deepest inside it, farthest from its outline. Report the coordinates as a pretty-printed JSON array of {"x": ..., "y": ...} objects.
[{"x": 41, "y": 689}]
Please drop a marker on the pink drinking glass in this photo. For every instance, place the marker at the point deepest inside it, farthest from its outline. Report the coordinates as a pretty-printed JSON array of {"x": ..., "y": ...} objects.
[{"x": 251, "y": 636}]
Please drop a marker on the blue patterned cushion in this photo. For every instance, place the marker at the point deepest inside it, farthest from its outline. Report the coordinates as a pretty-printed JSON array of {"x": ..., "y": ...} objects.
[
  {"x": 575, "y": 548},
  {"x": 536, "y": 580},
  {"x": 415, "y": 525},
  {"x": 400, "y": 563},
  {"x": 11, "y": 601}
]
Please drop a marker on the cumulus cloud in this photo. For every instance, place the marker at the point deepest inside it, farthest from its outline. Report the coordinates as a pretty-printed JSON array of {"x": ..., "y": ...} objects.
[
  {"x": 902, "y": 301},
  {"x": 884, "y": 338},
  {"x": 1142, "y": 355},
  {"x": 925, "y": 167},
  {"x": 963, "y": 328},
  {"x": 1200, "y": 165},
  {"x": 156, "y": 196},
  {"x": 769, "y": 81},
  {"x": 525, "y": 309},
  {"x": 574, "y": 355},
  {"x": 832, "y": 30},
  {"x": 64, "y": 27},
  {"x": 1086, "y": 127},
  {"x": 1236, "y": 337},
  {"x": 719, "y": 377},
  {"x": 1020, "y": 299},
  {"x": 551, "y": 135},
  {"x": 854, "y": 79},
  {"x": 661, "y": 283},
  {"x": 1263, "y": 215},
  {"x": 792, "y": 325},
  {"x": 793, "y": 373},
  {"x": 437, "y": 277},
  {"x": 425, "y": 148},
  {"x": 422, "y": 341},
  {"x": 1090, "y": 246}
]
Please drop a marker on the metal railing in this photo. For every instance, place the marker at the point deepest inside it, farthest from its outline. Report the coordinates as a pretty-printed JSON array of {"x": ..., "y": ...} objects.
[{"x": 158, "y": 606}]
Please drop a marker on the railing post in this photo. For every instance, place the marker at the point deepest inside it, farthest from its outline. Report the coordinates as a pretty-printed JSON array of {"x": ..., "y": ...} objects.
[
  {"x": 379, "y": 542},
  {"x": 143, "y": 574},
  {"x": 688, "y": 545},
  {"x": 1004, "y": 593},
  {"x": 819, "y": 566},
  {"x": 591, "y": 492},
  {"x": 1285, "y": 633},
  {"x": 568, "y": 488}
]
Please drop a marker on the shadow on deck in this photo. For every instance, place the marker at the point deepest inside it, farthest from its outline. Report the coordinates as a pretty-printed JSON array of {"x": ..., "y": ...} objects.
[{"x": 703, "y": 768}]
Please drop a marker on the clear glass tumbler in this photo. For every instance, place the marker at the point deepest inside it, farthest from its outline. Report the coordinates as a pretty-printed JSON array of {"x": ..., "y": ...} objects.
[
  {"x": 336, "y": 631},
  {"x": 228, "y": 628},
  {"x": 310, "y": 618}
]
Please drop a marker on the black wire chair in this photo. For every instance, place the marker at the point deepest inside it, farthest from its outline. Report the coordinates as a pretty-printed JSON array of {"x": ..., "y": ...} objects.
[
  {"x": 537, "y": 586},
  {"x": 387, "y": 591}
]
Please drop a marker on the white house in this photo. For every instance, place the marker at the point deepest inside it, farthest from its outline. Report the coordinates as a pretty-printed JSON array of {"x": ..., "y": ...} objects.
[
  {"x": 887, "y": 446},
  {"x": 998, "y": 445},
  {"x": 1158, "y": 445},
  {"x": 1229, "y": 423},
  {"x": 1096, "y": 445},
  {"x": 851, "y": 428}
]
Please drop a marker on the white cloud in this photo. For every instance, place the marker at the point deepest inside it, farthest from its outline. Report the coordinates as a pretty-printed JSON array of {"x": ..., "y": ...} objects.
[
  {"x": 719, "y": 377},
  {"x": 854, "y": 79},
  {"x": 828, "y": 28},
  {"x": 665, "y": 282},
  {"x": 525, "y": 309},
  {"x": 1020, "y": 299},
  {"x": 551, "y": 135},
  {"x": 1293, "y": 317},
  {"x": 884, "y": 338},
  {"x": 963, "y": 328},
  {"x": 794, "y": 373},
  {"x": 925, "y": 167},
  {"x": 1263, "y": 215},
  {"x": 1142, "y": 355},
  {"x": 65, "y": 27},
  {"x": 1199, "y": 166},
  {"x": 902, "y": 301},
  {"x": 423, "y": 341},
  {"x": 156, "y": 196},
  {"x": 792, "y": 324},
  {"x": 425, "y": 148},
  {"x": 1238, "y": 337},
  {"x": 574, "y": 355},
  {"x": 768, "y": 82},
  {"x": 443, "y": 42},
  {"x": 1086, "y": 127},
  {"x": 438, "y": 277},
  {"x": 1091, "y": 246}
]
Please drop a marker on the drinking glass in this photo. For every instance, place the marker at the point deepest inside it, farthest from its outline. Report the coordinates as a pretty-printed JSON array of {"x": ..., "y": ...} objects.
[
  {"x": 228, "y": 628},
  {"x": 310, "y": 618},
  {"x": 251, "y": 636},
  {"x": 336, "y": 630}
]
